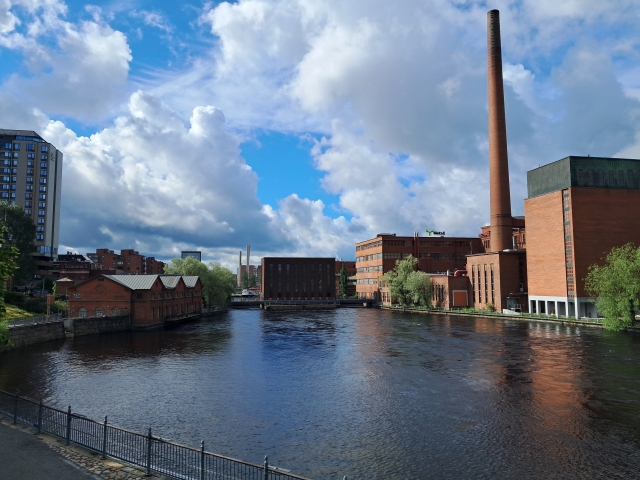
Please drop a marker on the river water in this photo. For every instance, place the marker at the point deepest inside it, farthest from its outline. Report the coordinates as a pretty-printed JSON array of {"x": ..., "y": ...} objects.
[{"x": 364, "y": 393}]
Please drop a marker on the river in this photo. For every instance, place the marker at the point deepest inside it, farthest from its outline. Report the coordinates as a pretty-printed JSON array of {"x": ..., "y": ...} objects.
[{"x": 365, "y": 393}]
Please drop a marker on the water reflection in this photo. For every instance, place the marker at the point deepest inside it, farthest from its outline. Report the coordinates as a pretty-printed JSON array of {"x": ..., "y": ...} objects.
[{"x": 363, "y": 393}]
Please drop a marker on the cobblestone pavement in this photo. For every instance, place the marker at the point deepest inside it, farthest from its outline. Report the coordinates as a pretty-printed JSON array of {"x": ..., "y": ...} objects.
[{"x": 86, "y": 460}]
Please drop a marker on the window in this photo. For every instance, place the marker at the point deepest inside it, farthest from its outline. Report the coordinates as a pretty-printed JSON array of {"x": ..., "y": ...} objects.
[
  {"x": 31, "y": 155},
  {"x": 27, "y": 204},
  {"x": 82, "y": 313},
  {"x": 6, "y": 171},
  {"x": 591, "y": 179},
  {"x": 43, "y": 173},
  {"x": 631, "y": 179},
  {"x": 30, "y": 164},
  {"x": 29, "y": 179},
  {"x": 15, "y": 154},
  {"x": 44, "y": 148},
  {"x": 116, "y": 311},
  {"x": 41, "y": 197},
  {"x": 41, "y": 204},
  {"x": 29, "y": 188},
  {"x": 620, "y": 178},
  {"x": 6, "y": 179},
  {"x": 14, "y": 179},
  {"x": 7, "y": 146},
  {"x": 5, "y": 187},
  {"x": 43, "y": 189},
  {"x": 41, "y": 221},
  {"x": 41, "y": 213},
  {"x": 43, "y": 165},
  {"x": 16, "y": 146},
  {"x": 4, "y": 195},
  {"x": 612, "y": 182},
  {"x": 43, "y": 157},
  {"x": 28, "y": 195},
  {"x": 15, "y": 164},
  {"x": 99, "y": 312},
  {"x": 39, "y": 237},
  {"x": 600, "y": 177},
  {"x": 43, "y": 180},
  {"x": 31, "y": 147}
]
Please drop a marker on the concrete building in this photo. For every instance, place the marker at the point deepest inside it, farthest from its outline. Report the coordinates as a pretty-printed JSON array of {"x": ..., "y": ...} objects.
[
  {"x": 32, "y": 178},
  {"x": 298, "y": 278},
  {"x": 150, "y": 300},
  {"x": 377, "y": 256},
  {"x": 577, "y": 210}
]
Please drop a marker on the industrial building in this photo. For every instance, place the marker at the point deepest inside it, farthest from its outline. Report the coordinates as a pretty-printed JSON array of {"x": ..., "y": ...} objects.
[
  {"x": 350, "y": 267},
  {"x": 577, "y": 210},
  {"x": 298, "y": 278},
  {"x": 127, "y": 261},
  {"x": 32, "y": 178}
]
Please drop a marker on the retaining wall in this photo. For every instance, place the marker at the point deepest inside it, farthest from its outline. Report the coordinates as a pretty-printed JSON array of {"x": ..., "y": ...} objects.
[
  {"x": 30, "y": 334},
  {"x": 93, "y": 325}
]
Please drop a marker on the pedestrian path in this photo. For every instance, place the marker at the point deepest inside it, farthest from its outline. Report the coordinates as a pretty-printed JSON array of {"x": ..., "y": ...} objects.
[{"x": 24, "y": 455}]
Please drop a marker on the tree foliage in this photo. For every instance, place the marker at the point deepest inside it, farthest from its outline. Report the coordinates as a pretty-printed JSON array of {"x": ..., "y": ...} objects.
[
  {"x": 20, "y": 232},
  {"x": 218, "y": 283},
  {"x": 244, "y": 280},
  {"x": 8, "y": 254},
  {"x": 406, "y": 285},
  {"x": 343, "y": 281},
  {"x": 616, "y": 284}
]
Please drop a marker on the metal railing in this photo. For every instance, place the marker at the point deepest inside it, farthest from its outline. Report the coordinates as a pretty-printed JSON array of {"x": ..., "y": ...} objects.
[
  {"x": 154, "y": 454},
  {"x": 35, "y": 320}
]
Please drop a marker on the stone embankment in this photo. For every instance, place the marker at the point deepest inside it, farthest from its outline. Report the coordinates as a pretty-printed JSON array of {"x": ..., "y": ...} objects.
[
  {"x": 25, "y": 335},
  {"x": 93, "y": 325}
]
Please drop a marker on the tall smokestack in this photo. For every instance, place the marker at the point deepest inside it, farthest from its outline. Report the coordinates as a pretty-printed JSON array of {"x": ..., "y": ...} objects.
[
  {"x": 248, "y": 250},
  {"x": 501, "y": 220},
  {"x": 240, "y": 269}
]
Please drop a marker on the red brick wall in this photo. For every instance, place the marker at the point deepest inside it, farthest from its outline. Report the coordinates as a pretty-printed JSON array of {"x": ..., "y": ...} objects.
[
  {"x": 545, "y": 245},
  {"x": 509, "y": 271}
]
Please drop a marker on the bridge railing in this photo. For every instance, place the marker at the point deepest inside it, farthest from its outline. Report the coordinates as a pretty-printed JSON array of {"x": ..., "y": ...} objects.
[{"x": 154, "y": 454}]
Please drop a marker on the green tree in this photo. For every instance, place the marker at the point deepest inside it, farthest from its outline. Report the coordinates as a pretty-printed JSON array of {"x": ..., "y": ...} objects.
[
  {"x": 396, "y": 279},
  {"x": 616, "y": 284},
  {"x": 8, "y": 255},
  {"x": 218, "y": 283},
  {"x": 343, "y": 281},
  {"x": 252, "y": 281},
  {"x": 244, "y": 281},
  {"x": 419, "y": 286},
  {"x": 20, "y": 233}
]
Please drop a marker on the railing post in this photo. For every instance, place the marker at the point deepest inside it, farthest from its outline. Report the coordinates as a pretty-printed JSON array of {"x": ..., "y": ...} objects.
[
  {"x": 266, "y": 468},
  {"x": 149, "y": 438},
  {"x": 15, "y": 408},
  {"x": 68, "y": 425},
  {"x": 104, "y": 440},
  {"x": 202, "y": 460},
  {"x": 40, "y": 417}
]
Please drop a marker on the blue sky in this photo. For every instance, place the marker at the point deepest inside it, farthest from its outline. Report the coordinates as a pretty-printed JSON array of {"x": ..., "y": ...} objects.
[{"x": 301, "y": 127}]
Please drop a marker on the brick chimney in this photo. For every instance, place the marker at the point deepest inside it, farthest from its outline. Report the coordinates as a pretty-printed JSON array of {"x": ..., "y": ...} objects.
[{"x": 501, "y": 220}]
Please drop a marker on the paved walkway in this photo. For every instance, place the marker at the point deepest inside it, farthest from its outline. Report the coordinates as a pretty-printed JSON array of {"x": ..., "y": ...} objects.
[{"x": 24, "y": 455}]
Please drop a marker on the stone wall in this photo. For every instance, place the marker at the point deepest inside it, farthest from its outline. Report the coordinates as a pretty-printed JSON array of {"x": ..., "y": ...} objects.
[
  {"x": 30, "y": 334},
  {"x": 92, "y": 325}
]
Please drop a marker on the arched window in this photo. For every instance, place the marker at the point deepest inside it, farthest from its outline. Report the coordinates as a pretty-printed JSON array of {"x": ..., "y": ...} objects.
[
  {"x": 82, "y": 313},
  {"x": 116, "y": 311},
  {"x": 99, "y": 312}
]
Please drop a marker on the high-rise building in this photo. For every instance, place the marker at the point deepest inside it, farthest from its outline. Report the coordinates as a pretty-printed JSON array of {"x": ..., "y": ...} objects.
[
  {"x": 128, "y": 261},
  {"x": 32, "y": 178}
]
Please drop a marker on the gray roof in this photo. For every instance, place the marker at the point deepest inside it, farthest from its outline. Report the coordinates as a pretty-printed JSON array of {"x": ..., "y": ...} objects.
[
  {"x": 170, "y": 281},
  {"x": 191, "y": 281},
  {"x": 134, "y": 282}
]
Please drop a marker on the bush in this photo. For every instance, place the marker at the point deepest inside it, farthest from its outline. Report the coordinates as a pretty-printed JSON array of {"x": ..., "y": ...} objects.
[{"x": 14, "y": 298}]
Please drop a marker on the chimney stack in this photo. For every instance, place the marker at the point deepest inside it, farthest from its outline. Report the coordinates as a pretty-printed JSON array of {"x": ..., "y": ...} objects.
[
  {"x": 501, "y": 220},
  {"x": 240, "y": 269},
  {"x": 248, "y": 250}
]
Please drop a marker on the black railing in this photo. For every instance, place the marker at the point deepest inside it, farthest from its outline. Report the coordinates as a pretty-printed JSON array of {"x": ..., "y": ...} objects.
[{"x": 151, "y": 453}]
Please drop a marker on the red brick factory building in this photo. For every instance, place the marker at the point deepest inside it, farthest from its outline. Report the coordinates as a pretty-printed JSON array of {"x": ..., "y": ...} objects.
[{"x": 150, "y": 300}]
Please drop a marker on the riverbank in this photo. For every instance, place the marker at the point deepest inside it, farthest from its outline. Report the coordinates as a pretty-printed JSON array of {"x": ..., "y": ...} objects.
[
  {"x": 24, "y": 454},
  {"x": 503, "y": 316}
]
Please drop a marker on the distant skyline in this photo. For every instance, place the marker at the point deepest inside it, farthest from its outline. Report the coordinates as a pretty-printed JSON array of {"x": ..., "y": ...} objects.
[{"x": 302, "y": 127}]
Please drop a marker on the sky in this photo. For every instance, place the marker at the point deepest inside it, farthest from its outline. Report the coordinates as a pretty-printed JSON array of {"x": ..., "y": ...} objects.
[{"x": 301, "y": 127}]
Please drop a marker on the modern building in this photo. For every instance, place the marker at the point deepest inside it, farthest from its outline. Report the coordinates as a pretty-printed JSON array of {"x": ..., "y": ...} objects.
[
  {"x": 377, "y": 256},
  {"x": 150, "y": 300},
  {"x": 32, "y": 178},
  {"x": 127, "y": 261},
  {"x": 351, "y": 277},
  {"x": 298, "y": 278},
  {"x": 192, "y": 253},
  {"x": 577, "y": 210}
]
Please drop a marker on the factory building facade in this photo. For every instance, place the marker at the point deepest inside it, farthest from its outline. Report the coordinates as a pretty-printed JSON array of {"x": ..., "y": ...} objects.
[
  {"x": 298, "y": 278},
  {"x": 577, "y": 210}
]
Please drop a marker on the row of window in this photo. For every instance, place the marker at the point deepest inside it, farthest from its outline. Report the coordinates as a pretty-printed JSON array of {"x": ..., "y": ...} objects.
[
  {"x": 476, "y": 287},
  {"x": 30, "y": 147},
  {"x": 30, "y": 163},
  {"x": 380, "y": 243},
  {"x": 377, "y": 268},
  {"x": 444, "y": 256},
  {"x": 316, "y": 277},
  {"x": 367, "y": 281},
  {"x": 27, "y": 196},
  {"x": 28, "y": 212}
]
